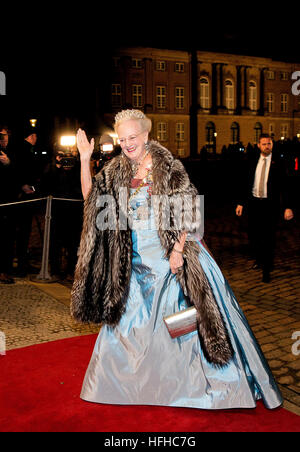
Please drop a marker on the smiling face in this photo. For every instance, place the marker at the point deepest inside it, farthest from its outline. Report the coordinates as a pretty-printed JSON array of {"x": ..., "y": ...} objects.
[{"x": 132, "y": 139}]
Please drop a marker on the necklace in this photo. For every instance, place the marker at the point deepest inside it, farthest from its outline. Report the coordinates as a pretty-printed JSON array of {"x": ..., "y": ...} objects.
[
  {"x": 147, "y": 180},
  {"x": 136, "y": 165}
]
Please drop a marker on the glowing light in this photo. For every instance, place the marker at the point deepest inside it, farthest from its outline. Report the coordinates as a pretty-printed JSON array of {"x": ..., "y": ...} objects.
[
  {"x": 107, "y": 147},
  {"x": 33, "y": 122},
  {"x": 68, "y": 140}
]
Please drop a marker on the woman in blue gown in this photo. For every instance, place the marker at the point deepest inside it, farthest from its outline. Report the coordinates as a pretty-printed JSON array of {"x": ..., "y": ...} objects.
[{"x": 136, "y": 361}]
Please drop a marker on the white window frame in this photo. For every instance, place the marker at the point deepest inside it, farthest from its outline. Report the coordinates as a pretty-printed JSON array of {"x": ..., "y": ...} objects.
[
  {"x": 272, "y": 129},
  {"x": 137, "y": 63},
  {"x": 180, "y": 131},
  {"x": 229, "y": 94},
  {"x": 283, "y": 103},
  {"x": 116, "y": 95},
  {"x": 284, "y": 131},
  {"x": 179, "y": 97},
  {"x": 252, "y": 95},
  {"x": 270, "y": 102},
  {"x": 161, "y": 97},
  {"x": 179, "y": 67},
  {"x": 161, "y": 65},
  {"x": 204, "y": 93},
  {"x": 162, "y": 131},
  {"x": 137, "y": 95}
]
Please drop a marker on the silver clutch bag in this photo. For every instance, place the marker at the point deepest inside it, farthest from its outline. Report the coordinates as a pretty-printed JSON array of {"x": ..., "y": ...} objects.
[{"x": 182, "y": 322}]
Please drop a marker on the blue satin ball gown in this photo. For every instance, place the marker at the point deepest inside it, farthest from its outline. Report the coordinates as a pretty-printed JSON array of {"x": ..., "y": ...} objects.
[{"x": 138, "y": 362}]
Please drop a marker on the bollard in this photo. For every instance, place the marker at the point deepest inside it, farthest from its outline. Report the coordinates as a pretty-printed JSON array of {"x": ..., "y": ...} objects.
[{"x": 44, "y": 275}]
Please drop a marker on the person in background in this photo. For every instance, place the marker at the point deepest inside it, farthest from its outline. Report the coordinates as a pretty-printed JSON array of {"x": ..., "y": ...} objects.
[
  {"x": 61, "y": 179},
  {"x": 107, "y": 152},
  {"x": 7, "y": 195},
  {"x": 28, "y": 175},
  {"x": 263, "y": 185}
]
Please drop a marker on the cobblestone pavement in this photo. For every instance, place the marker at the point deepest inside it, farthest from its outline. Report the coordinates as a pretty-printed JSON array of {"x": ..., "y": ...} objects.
[{"x": 32, "y": 313}]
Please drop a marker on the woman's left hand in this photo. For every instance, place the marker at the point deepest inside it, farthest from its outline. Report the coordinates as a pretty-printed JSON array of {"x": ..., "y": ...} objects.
[{"x": 175, "y": 261}]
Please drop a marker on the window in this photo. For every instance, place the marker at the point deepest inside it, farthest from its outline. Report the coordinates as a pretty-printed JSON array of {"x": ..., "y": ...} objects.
[
  {"x": 179, "y": 67},
  {"x": 160, "y": 66},
  {"x": 204, "y": 93},
  {"x": 229, "y": 95},
  {"x": 210, "y": 130},
  {"x": 116, "y": 97},
  {"x": 257, "y": 132},
  {"x": 137, "y": 95},
  {"x": 235, "y": 133},
  {"x": 161, "y": 97},
  {"x": 284, "y": 75},
  {"x": 179, "y": 98},
  {"x": 252, "y": 96},
  {"x": 270, "y": 102},
  {"x": 284, "y": 131},
  {"x": 179, "y": 131},
  {"x": 272, "y": 130},
  {"x": 137, "y": 63},
  {"x": 162, "y": 131},
  {"x": 283, "y": 103},
  {"x": 271, "y": 75}
]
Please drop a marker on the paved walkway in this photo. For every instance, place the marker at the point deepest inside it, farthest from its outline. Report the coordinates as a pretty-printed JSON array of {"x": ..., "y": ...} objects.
[{"x": 32, "y": 313}]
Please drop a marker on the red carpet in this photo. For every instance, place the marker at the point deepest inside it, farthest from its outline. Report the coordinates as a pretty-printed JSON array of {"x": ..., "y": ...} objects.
[{"x": 40, "y": 387}]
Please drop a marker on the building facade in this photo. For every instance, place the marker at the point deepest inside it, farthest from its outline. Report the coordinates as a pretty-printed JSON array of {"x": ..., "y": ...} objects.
[{"x": 235, "y": 97}]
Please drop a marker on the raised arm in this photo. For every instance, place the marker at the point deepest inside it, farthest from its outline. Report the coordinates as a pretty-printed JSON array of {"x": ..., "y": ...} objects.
[{"x": 85, "y": 149}]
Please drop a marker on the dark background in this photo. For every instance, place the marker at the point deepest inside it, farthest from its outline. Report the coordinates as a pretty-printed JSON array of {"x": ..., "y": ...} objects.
[{"x": 56, "y": 57}]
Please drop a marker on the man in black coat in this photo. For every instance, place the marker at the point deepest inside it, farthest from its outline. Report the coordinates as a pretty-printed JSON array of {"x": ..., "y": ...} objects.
[
  {"x": 28, "y": 179},
  {"x": 264, "y": 187},
  {"x": 8, "y": 192}
]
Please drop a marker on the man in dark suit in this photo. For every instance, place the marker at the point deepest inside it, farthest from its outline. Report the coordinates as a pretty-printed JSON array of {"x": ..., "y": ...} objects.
[
  {"x": 28, "y": 176},
  {"x": 264, "y": 185},
  {"x": 8, "y": 193}
]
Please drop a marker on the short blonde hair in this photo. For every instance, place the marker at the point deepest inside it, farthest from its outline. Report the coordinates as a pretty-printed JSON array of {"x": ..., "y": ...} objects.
[{"x": 136, "y": 115}]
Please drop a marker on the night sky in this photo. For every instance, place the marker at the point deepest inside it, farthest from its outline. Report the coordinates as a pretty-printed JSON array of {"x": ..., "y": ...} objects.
[{"x": 53, "y": 62}]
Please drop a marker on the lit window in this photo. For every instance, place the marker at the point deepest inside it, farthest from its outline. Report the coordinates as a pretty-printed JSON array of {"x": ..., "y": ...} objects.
[
  {"x": 283, "y": 103},
  {"x": 252, "y": 96},
  {"x": 160, "y": 66},
  {"x": 235, "y": 133},
  {"x": 284, "y": 131},
  {"x": 137, "y": 95},
  {"x": 179, "y": 97},
  {"x": 161, "y": 97},
  {"x": 116, "y": 95},
  {"x": 204, "y": 93},
  {"x": 179, "y": 67},
  {"x": 257, "y": 132},
  {"x": 270, "y": 102},
  {"x": 136, "y": 63},
  {"x": 162, "y": 131},
  {"x": 179, "y": 131},
  {"x": 229, "y": 95}
]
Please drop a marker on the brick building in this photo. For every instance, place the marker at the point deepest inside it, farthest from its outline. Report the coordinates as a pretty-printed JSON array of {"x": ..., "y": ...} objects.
[{"x": 235, "y": 97}]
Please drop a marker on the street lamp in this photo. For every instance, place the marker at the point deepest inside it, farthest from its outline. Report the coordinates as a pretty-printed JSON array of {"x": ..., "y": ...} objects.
[{"x": 33, "y": 122}]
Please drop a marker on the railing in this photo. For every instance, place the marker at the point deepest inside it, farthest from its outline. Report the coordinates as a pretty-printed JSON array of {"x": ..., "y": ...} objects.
[{"x": 44, "y": 274}]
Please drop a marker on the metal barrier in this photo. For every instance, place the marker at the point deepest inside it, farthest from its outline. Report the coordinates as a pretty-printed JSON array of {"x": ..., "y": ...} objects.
[{"x": 44, "y": 276}]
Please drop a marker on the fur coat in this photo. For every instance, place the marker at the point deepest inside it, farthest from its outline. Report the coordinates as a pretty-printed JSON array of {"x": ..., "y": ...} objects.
[{"x": 103, "y": 270}]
